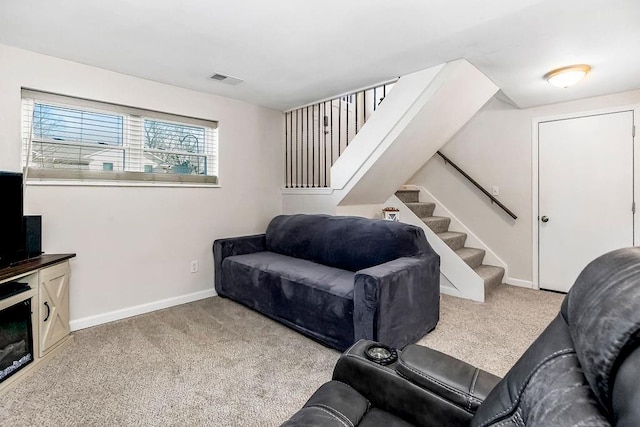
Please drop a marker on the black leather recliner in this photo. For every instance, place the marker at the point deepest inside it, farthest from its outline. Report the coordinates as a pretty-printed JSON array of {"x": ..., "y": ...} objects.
[{"x": 583, "y": 370}]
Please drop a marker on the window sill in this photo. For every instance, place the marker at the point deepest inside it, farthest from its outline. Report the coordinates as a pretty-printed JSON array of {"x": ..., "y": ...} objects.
[
  {"x": 56, "y": 177},
  {"x": 80, "y": 183}
]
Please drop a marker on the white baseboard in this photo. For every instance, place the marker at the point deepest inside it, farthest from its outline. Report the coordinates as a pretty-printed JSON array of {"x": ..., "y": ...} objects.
[
  {"x": 519, "y": 282},
  {"x": 99, "y": 319}
]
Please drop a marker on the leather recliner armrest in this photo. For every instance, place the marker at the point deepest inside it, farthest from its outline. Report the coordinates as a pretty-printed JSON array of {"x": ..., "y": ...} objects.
[
  {"x": 455, "y": 380},
  {"x": 417, "y": 401}
]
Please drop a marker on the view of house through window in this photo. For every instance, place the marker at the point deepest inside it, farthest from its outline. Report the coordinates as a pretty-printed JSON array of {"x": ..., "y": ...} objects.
[
  {"x": 64, "y": 138},
  {"x": 177, "y": 146}
]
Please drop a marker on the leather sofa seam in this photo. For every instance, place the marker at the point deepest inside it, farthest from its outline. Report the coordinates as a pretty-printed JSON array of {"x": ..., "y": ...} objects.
[
  {"x": 434, "y": 380},
  {"x": 473, "y": 386},
  {"x": 331, "y": 411},
  {"x": 514, "y": 403},
  {"x": 394, "y": 372},
  {"x": 347, "y": 385}
]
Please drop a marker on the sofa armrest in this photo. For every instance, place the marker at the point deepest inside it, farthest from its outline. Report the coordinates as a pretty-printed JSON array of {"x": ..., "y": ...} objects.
[
  {"x": 420, "y": 404},
  {"x": 223, "y": 248},
  {"x": 398, "y": 302},
  {"x": 455, "y": 380}
]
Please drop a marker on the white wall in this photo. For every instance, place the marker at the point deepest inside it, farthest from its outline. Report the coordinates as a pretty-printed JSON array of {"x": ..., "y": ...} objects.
[
  {"x": 417, "y": 117},
  {"x": 134, "y": 244},
  {"x": 405, "y": 135},
  {"x": 495, "y": 149}
]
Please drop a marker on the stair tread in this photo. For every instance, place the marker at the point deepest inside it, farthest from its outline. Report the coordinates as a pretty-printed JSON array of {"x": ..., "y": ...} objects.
[
  {"x": 411, "y": 196},
  {"x": 419, "y": 203},
  {"x": 421, "y": 209},
  {"x": 488, "y": 271},
  {"x": 453, "y": 239},
  {"x": 435, "y": 218},
  {"x": 490, "y": 274},
  {"x": 439, "y": 224},
  {"x": 450, "y": 235},
  {"x": 466, "y": 251},
  {"x": 472, "y": 256}
]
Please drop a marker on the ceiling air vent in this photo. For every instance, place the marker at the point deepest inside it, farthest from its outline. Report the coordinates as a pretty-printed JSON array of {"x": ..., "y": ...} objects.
[{"x": 226, "y": 79}]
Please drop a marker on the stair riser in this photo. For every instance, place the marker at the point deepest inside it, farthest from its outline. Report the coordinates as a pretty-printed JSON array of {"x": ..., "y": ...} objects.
[
  {"x": 422, "y": 210},
  {"x": 492, "y": 276},
  {"x": 438, "y": 226},
  {"x": 456, "y": 242},
  {"x": 408, "y": 196},
  {"x": 474, "y": 260},
  {"x": 492, "y": 283}
]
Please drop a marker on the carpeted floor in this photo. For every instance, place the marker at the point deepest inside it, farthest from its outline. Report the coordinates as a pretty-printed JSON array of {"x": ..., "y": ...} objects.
[
  {"x": 216, "y": 363},
  {"x": 493, "y": 335}
]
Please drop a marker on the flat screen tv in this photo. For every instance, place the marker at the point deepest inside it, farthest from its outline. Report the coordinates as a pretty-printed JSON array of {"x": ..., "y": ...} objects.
[{"x": 12, "y": 246}]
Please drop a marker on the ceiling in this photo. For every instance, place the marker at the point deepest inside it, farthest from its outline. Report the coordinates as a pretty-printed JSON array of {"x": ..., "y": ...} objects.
[{"x": 291, "y": 52}]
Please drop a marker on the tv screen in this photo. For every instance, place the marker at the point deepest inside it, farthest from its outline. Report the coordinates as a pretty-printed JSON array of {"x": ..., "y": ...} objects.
[{"x": 11, "y": 212}]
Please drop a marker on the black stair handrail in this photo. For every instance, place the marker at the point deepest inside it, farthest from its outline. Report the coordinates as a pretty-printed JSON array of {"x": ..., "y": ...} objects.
[{"x": 473, "y": 181}]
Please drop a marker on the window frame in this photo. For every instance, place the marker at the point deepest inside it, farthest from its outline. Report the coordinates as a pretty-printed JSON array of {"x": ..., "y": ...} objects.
[{"x": 133, "y": 174}]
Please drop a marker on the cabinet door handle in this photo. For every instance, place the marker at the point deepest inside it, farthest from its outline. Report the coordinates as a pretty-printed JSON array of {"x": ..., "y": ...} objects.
[{"x": 46, "y": 304}]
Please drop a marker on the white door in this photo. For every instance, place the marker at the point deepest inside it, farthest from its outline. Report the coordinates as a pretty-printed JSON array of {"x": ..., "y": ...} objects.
[{"x": 585, "y": 193}]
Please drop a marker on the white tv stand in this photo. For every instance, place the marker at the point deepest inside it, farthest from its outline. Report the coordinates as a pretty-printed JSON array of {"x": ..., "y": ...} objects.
[{"x": 48, "y": 280}]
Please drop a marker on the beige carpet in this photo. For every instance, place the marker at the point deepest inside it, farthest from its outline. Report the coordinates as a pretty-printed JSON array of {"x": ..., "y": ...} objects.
[
  {"x": 216, "y": 363},
  {"x": 493, "y": 335}
]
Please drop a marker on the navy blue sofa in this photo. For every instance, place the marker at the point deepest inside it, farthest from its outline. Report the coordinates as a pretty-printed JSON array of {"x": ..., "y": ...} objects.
[{"x": 335, "y": 279}]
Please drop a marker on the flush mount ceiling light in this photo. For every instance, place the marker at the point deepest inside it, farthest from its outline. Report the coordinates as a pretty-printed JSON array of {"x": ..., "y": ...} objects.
[{"x": 567, "y": 76}]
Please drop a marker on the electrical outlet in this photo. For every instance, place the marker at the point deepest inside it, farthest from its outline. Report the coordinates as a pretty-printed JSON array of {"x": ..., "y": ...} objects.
[
  {"x": 495, "y": 190},
  {"x": 194, "y": 266}
]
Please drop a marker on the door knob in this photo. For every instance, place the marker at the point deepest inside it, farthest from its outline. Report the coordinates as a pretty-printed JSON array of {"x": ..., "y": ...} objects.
[{"x": 544, "y": 219}]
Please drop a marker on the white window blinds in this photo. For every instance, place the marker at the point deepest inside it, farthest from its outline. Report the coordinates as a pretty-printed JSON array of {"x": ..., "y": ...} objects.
[{"x": 72, "y": 138}]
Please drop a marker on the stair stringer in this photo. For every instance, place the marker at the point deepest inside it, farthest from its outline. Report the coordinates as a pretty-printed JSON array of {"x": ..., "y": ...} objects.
[
  {"x": 456, "y": 277},
  {"x": 422, "y": 112},
  {"x": 473, "y": 241}
]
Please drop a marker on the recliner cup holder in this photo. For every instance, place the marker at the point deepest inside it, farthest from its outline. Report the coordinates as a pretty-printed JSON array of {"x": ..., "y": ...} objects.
[{"x": 381, "y": 354}]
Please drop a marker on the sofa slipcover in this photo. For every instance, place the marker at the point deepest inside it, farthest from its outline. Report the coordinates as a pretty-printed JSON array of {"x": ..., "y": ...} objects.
[{"x": 335, "y": 279}]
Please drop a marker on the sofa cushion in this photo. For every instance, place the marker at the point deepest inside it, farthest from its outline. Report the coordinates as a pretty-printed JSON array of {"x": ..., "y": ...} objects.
[
  {"x": 349, "y": 243},
  {"x": 315, "y": 299}
]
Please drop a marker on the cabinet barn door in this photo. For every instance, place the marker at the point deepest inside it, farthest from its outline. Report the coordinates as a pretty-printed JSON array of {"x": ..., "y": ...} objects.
[{"x": 54, "y": 305}]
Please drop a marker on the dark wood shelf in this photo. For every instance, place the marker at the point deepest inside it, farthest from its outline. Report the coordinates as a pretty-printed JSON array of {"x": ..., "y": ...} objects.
[{"x": 31, "y": 264}]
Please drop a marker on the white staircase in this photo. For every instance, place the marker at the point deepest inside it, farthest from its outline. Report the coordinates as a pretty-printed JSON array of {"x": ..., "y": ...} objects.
[
  {"x": 422, "y": 112},
  {"x": 491, "y": 275}
]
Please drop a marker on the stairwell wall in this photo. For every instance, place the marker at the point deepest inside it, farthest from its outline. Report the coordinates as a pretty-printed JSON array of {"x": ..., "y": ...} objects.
[
  {"x": 387, "y": 150},
  {"x": 495, "y": 148}
]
